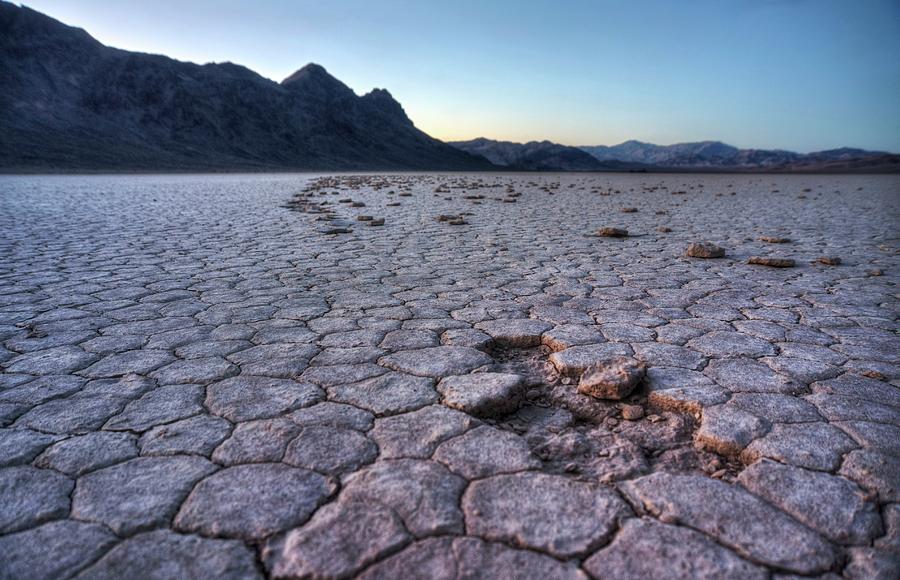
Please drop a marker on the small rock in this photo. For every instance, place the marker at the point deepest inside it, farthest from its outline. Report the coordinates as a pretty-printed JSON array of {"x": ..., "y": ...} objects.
[
  {"x": 632, "y": 412},
  {"x": 363, "y": 218},
  {"x": 829, "y": 260},
  {"x": 612, "y": 232},
  {"x": 614, "y": 378},
  {"x": 772, "y": 262},
  {"x": 377, "y": 222},
  {"x": 774, "y": 240},
  {"x": 629, "y": 210},
  {"x": 704, "y": 250},
  {"x": 663, "y": 229}
]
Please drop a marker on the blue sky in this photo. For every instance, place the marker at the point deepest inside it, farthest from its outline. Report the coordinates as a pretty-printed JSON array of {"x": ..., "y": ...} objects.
[{"x": 794, "y": 74}]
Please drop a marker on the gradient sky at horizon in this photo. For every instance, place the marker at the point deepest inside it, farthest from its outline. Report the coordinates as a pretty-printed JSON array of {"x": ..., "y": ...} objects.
[{"x": 803, "y": 75}]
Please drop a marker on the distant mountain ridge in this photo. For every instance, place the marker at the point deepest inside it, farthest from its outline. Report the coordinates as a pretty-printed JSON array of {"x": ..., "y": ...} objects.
[
  {"x": 70, "y": 103},
  {"x": 699, "y": 156},
  {"x": 536, "y": 156},
  {"x": 718, "y": 155}
]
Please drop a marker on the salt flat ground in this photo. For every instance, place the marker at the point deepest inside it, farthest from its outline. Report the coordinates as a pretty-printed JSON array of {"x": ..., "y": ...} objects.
[{"x": 201, "y": 382}]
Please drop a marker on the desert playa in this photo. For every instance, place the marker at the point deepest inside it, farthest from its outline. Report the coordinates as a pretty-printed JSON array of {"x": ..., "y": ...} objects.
[{"x": 241, "y": 375}]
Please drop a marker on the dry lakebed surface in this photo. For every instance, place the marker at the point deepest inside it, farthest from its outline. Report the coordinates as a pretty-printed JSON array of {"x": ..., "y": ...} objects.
[{"x": 449, "y": 376}]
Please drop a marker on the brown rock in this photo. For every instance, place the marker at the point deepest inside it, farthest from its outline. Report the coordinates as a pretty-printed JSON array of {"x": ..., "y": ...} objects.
[
  {"x": 377, "y": 222},
  {"x": 829, "y": 260},
  {"x": 632, "y": 412},
  {"x": 663, "y": 229},
  {"x": 612, "y": 233},
  {"x": 629, "y": 210},
  {"x": 614, "y": 378},
  {"x": 774, "y": 240},
  {"x": 772, "y": 262},
  {"x": 704, "y": 250}
]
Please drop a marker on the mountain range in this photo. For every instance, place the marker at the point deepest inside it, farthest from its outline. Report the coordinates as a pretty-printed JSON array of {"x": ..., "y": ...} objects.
[
  {"x": 715, "y": 154},
  {"x": 70, "y": 103},
  {"x": 700, "y": 156}
]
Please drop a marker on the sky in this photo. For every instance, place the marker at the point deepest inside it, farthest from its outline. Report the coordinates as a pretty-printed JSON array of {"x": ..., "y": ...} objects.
[{"x": 803, "y": 75}]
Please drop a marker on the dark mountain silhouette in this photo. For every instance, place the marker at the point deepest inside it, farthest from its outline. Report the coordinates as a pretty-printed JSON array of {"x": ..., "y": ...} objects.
[
  {"x": 69, "y": 102},
  {"x": 717, "y": 155},
  {"x": 537, "y": 156}
]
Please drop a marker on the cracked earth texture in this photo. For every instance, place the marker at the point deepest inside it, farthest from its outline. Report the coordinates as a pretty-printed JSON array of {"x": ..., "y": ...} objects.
[{"x": 235, "y": 377}]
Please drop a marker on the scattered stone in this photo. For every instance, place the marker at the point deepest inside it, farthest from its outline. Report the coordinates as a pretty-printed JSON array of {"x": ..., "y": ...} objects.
[
  {"x": 772, "y": 262},
  {"x": 704, "y": 250},
  {"x": 613, "y": 378},
  {"x": 828, "y": 260},
  {"x": 774, "y": 240},
  {"x": 632, "y": 412},
  {"x": 612, "y": 232},
  {"x": 574, "y": 360}
]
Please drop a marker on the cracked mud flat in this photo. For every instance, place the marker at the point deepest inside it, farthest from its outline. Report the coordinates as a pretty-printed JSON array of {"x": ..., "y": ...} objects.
[{"x": 234, "y": 376}]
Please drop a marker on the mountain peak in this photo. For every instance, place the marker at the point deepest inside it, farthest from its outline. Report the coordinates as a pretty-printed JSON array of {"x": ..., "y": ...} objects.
[{"x": 311, "y": 71}]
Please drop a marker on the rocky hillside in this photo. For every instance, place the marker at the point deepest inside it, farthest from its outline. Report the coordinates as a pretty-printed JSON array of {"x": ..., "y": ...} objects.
[{"x": 70, "y": 103}]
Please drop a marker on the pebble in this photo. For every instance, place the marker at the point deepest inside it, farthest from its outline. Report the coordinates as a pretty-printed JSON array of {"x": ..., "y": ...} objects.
[
  {"x": 772, "y": 262},
  {"x": 829, "y": 260},
  {"x": 614, "y": 378},
  {"x": 632, "y": 412},
  {"x": 704, "y": 250}
]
